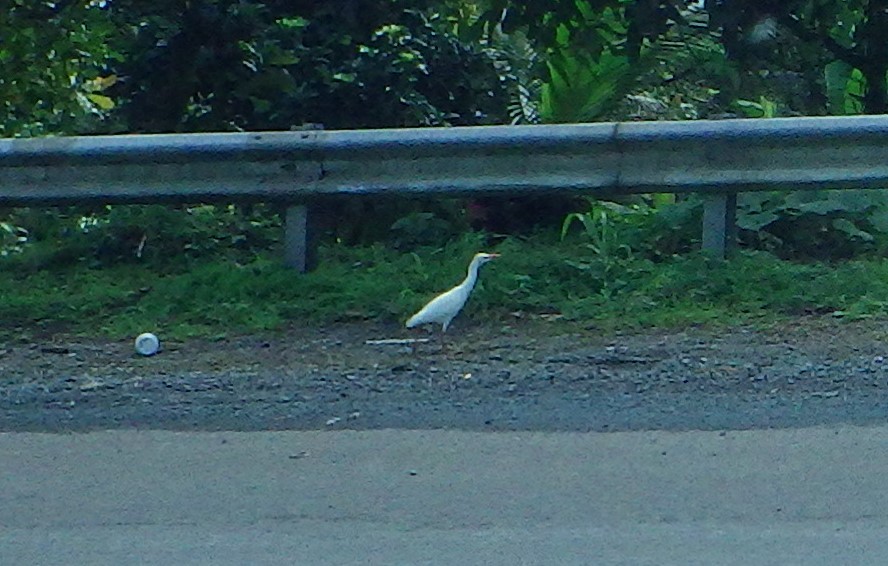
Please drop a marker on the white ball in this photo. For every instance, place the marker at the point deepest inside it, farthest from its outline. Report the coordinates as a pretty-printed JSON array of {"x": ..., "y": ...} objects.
[{"x": 147, "y": 344}]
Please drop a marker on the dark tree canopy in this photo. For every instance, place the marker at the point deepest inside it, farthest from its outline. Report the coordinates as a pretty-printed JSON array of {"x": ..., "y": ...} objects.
[
  {"x": 197, "y": 65},
  {"x": 222, "y": 64}
]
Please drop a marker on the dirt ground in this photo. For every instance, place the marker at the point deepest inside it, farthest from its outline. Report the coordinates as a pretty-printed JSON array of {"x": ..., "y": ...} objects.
[{"x": 518, "y": 375}]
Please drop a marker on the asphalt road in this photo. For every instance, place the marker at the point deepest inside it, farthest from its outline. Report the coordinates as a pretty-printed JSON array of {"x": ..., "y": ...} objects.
[{"x": 807, "y": 496}]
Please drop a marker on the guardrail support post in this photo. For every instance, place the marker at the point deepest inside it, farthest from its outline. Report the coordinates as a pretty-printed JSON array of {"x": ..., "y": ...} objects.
[
  {"x": 720, "y": 223},
  {"x": 300, "y": 251}
]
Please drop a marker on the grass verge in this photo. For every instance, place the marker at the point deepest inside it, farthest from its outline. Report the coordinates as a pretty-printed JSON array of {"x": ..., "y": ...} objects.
[{"x": 536, "y": 275}]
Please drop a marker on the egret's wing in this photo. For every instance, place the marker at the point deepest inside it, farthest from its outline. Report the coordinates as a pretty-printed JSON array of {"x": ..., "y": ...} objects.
[{"x": 440, "y": 309}]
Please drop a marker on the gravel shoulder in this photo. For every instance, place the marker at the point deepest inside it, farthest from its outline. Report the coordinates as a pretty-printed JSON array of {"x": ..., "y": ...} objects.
[{"x": 522, "y": 375}]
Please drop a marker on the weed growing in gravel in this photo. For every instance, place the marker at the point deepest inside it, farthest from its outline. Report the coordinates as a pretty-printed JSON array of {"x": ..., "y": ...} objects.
[{"x": 534, "y": 276}]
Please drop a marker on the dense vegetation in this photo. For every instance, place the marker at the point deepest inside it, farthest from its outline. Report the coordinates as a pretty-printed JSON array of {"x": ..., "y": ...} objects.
[{"x": 129, "y": 66}]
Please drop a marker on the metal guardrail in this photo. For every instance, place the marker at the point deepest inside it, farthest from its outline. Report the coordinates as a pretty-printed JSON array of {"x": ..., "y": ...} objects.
[{"x": 716, "y": 158}]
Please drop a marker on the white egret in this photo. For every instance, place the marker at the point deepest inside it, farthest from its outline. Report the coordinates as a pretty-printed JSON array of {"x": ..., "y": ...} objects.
[{"x": 443, "y": 308}]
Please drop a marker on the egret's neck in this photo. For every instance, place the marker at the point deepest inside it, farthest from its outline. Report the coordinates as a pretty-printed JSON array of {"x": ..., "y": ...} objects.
[{"x": 469, "y": 282}]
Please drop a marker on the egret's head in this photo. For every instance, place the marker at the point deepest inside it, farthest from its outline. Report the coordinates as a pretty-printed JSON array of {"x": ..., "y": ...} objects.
[{"x": 483, "y": 258}]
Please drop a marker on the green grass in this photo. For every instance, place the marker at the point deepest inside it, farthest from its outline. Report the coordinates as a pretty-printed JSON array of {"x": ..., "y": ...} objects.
[{"x": 535, "y": 275}]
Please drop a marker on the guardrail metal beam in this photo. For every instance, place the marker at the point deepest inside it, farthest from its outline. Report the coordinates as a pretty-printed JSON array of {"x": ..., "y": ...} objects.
[{"x": 709, "y": 157}]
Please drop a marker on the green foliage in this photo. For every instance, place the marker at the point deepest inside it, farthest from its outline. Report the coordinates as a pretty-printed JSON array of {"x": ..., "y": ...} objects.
[
  {"x": 845, "y": 87},
  {"x": 625, "y": 239},
  {"x": 585, "y": 69},
  {"x": 642, "y": 63},
  {"x": 53, "y": 67},
  {"x": 226, "y": 64},
  {"x": 534, "y": 276},
  {"x": 763, "y": 108},
  {"x": 155, "y": 235},
  {"x": 272, "y": 65},
  {"x": 826, "y": 225},
  {"x": 12, "y": 239},
  {"x": 800, "y": 54},
  {"x": 650, "y": 226},
  {"x": 580, "y": 89},
  {"x": 819, "y": 224},
  {"x": 421, "y": 229},
  {"x": 836, "y": 43},
  {"x": 439, "y": 79},
  {"x": 521, "y": 71},
  {"x": 594, "y": 24},
  {"x": 606, "y": 236}
]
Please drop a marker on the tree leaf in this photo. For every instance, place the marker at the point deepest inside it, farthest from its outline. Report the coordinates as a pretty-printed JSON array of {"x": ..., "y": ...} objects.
[
  {"x": 757, "y": 221},
  {"x": 848, "y": 227},
  {"x": 836, "y": 75},
  {"x": 100, "y": 100}
]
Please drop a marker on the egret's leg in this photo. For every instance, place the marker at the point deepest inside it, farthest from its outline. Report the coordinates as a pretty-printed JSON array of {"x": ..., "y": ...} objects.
[{"x": 444, "y": 341}]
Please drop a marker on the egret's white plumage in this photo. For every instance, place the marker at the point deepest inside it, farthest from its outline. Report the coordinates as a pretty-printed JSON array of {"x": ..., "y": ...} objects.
[{"x": 447, "y": 305}]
